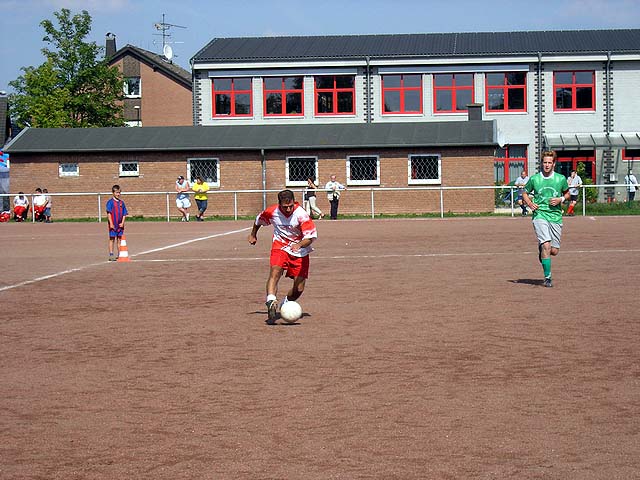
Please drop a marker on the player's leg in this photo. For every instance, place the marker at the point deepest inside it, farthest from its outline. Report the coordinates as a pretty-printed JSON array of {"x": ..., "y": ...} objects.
[
  {"x": 112, "y": 241},
  {"x": 543, "y": 233}
]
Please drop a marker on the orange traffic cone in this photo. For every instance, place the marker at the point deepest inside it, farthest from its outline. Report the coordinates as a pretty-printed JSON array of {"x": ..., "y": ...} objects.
[{"x": 123, "y": 254}]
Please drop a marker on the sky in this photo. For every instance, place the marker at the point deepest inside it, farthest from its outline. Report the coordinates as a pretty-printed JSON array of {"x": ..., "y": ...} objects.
[{"x": 132, "y": 21}]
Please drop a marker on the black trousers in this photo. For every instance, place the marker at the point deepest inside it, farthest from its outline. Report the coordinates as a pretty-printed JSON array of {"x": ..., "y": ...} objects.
[{"x": 334, "y": 208}]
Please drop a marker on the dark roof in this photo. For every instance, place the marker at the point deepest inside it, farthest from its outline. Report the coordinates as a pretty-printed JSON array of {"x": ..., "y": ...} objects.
[
  {"x": 419, "y": 45},
  {"x": 254, "y": 137},
  {"x": 154, "y": 60}
]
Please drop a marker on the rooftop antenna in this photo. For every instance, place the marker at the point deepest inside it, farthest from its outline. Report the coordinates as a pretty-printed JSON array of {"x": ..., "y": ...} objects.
[{"x": 164, "y": 27}]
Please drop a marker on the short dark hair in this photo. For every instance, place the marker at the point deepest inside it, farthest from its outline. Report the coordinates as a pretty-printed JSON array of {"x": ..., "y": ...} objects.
[
  {"x": 114, "y": 188},
  {"x": 285, "y": 196}
]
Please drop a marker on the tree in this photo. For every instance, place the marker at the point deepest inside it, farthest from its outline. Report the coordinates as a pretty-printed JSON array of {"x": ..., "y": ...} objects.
[{"x": 73, "y": 88}]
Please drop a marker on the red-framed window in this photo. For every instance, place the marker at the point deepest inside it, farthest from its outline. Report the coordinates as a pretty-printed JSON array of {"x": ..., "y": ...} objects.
[
  {"x": 509, "y": 163},
  {"x": 574, "y": 91},
  {"x": 568, "y": 160},
  {"x": 631, "y": 154},
  {"x": 231, "y": 97},
  {"x": 335, "y": 95},
  {"x": 506, "y": 92},
  {"x": 283, "y": 96},
  {"x": 452, "y": 92},
  {"x": 401, "y": 94}
]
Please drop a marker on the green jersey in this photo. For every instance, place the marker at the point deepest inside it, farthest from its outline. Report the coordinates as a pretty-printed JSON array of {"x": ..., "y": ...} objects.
[{"x": 543, "y": 189}]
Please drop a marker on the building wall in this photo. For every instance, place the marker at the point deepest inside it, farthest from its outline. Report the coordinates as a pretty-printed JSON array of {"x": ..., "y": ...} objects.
[
  {"x": 243, "y": 171},
  {"x": 626, "y": 101}
]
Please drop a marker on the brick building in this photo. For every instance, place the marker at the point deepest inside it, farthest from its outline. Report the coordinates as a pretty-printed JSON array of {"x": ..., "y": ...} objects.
[{"x": 262, "y": 158}]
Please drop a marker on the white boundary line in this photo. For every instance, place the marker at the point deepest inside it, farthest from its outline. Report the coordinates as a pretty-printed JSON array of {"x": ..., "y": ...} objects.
[{"x": 78, "y": 269}]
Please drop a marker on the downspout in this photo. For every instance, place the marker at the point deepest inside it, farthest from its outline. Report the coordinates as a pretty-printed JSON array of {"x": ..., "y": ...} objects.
[
  {"x": 608, "y": 91},
  {"x": 539, "y": 119},
  {"x": 264, "y": 179},
  {"x": 368, "y": 90},
  {"x": 193, "y": 94}
]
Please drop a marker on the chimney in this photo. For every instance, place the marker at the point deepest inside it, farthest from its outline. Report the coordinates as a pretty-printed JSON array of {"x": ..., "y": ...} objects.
[
  {"x": 110, "y": 46},
  {"x": 475, "y": 111}
]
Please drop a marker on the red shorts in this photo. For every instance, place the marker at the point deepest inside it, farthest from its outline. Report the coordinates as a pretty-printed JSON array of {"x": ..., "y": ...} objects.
[{"x": 293, "y": 266}]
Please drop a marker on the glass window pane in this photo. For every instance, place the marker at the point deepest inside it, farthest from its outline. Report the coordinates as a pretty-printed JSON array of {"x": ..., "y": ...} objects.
[
  {"x": 345, "y": 102},
  {"x": 242, "y": 84},
  {"x": 563, "y": 98},
  {"x": 324, "y": 82},
  {"x": 496, "y": 99},
  {"x": 443, "y": 100},
  {"x": 412, "y": 101},
  {"x": 518, "y": 151},
  {"x": 516, "y": 99},
  {"x": 243, "y": 104},
  {"x": 517, "y": 78},
  {"x": 274, "y": 104},
  {"x": 392, "y": 101},
  {"x": 564, "y": 77},
  {"x": 584, "y": 77},
  {"x": 223, "y": 104},
  {"x": 391, "y": 81},
  {"x": 584, "y": 98},
  {"x": 412, "y": 80},
  {"x": 325, "y": 102},
  {"x": 463, "y": 98},
  {"x": 501, "y": 152},
  {"x": 221, "y": 84},
  {"x": 464, "y": 79},
  {"x": 293, "y": 83},
  {"x": 443, "y": 80},
  {"x": 294, "y": 103},
  {"x": 344, "y": 82},
  {"x": 498, "y": 169},
  {"x": 273, "y": 83},
  {"x": 515, "y": 169},
  {"x": 495, "y": 79}
]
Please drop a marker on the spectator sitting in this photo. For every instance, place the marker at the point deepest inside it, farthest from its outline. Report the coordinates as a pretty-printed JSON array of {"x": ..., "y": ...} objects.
[
  {"x": 20, "y": 207},
  {"x": 39, "y": 205}
]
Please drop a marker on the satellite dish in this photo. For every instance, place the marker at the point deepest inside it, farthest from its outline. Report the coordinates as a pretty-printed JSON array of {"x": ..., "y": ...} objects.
[{"x": 168, "y": 52}]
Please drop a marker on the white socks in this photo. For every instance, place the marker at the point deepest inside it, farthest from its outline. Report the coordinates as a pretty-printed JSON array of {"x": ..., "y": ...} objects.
[{"x": 271, "y": 297}]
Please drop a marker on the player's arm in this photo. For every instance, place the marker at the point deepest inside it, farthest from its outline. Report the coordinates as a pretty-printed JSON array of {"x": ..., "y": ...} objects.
[
  {"x": 528, "y": 202},
  {"x": 253, "y": 235},
  {"x": 565, "y": 197}
]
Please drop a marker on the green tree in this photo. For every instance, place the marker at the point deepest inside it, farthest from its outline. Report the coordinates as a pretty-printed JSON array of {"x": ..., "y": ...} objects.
[
  {"x": 75, "y": 87},
  {"x": 590, "y": 192}
]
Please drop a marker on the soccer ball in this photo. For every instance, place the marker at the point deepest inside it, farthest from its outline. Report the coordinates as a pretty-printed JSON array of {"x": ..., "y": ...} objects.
[{"x": 290, "y": 311}]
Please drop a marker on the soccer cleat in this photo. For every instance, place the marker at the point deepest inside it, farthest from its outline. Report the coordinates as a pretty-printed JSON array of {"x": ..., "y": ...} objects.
[
  {"x": 112, "y": 258},
  {"x": 272, "y": 311},
  {"x": 547, "y": 282}
]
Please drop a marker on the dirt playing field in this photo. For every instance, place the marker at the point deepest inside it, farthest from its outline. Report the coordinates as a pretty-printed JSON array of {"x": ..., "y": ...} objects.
[{"x": 429, "y": 349}]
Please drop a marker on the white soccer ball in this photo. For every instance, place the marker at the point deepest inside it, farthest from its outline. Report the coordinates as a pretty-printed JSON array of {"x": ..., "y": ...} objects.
[{"x": 291, "y": 311}]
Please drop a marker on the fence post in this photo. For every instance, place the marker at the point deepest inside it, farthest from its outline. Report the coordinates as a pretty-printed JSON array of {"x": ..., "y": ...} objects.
[
  {"x": 168, "y": 218},
  {"x": 584, "y": 200},
  {"x": 441, "y": 202},
  {"x": 512, "y": 208},
  {"x": 373, "y": 207},
  {"x": 235, "y": 205},
  {"x": 99, "y": 208}
]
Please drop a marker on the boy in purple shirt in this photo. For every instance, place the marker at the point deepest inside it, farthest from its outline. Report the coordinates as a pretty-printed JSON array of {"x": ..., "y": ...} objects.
[{"x": 116, "y": 214}]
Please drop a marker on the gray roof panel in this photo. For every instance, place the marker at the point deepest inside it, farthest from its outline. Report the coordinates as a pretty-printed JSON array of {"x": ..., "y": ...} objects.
[
  {"x": 418, "y": 45},
  {"x": 255, "y": 137}
]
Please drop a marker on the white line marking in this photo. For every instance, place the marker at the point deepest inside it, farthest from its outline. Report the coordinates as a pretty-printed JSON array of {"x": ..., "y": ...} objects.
[
  {"x": 190, "y": 241},
  {"x": 47, "y": 277}
]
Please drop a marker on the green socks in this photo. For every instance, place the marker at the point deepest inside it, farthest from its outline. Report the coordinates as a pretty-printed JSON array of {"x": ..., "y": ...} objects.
[{"x": 546, "y": 267}]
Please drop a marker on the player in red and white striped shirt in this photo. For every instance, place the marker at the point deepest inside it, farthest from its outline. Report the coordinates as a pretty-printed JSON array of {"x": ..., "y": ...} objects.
[{"x": 293, "y": 234}]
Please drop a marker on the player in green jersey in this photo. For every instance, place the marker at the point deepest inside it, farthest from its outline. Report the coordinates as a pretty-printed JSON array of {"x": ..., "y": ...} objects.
[{"x": 549, "y": 190}]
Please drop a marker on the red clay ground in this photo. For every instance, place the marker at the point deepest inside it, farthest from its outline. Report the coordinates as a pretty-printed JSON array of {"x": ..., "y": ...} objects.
[{"x": 429, "y": 350}]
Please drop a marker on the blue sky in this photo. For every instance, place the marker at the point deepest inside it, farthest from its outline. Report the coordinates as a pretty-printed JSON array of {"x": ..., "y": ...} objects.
[{"x": 133, "y": 21}]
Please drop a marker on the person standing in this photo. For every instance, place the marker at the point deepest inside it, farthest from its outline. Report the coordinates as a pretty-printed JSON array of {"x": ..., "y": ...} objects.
[
  {"x": 201, "y": 188},
  {"x": 575, "y": 182},
  {"x": 293, "y": 234},
  {"x": 550, "y": 190},
  {"x": 520, "y": 182},
  {"x": 116, "y": 215},
  {"x": 333, "y": 189},
  {"x": 47, "y": 210},
  {"x": 182, "y": 200},
  {"x": 632, "y": 185},
  {"x": 20, "y": 207},
  {"x": 310, "y": 197}
]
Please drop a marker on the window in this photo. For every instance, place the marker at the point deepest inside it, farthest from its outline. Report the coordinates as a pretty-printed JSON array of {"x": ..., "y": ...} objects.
[
  {"x": 363, "y": 170},
  {"x": 574, "y": 91},
  {"x": 631, "y": 154},
  {"x": 402, "y": 93},
  {"x": 424, "y": 169},
  {"x": 506, "y": 92},
  {"x": 283, "y": 96},
  {"x": 231, "y": 97},
  {"x": 334, "y": 95},
  {"x": 569, "y": 159},
  {"x": 207, "y": 168},
  {"x": 132, "y": 87},
  {"x": 298, "y": 169},
  {"x": 452, "y": 92},
  {"x": 510, "y": 161},
  {"x": 68, "y": 170},
  {"x": 129, "y": 168}
]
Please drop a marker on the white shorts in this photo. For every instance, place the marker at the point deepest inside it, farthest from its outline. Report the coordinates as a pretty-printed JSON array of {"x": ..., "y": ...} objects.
[
  {"x": 547, "y": 232},
  {"x": 183, "y": 202}
]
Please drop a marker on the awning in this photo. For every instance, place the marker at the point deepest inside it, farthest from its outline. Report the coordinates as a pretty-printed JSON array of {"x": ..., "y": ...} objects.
[{"x": 590, "y": 141}]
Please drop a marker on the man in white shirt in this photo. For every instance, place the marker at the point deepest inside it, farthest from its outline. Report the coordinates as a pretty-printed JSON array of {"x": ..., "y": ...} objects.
[
  {"x": 520, "y": 182},
  {"x": 333, "y": 189},
  {"x": 575, "y": 182},
  {"x": 632, "y": 185}
]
